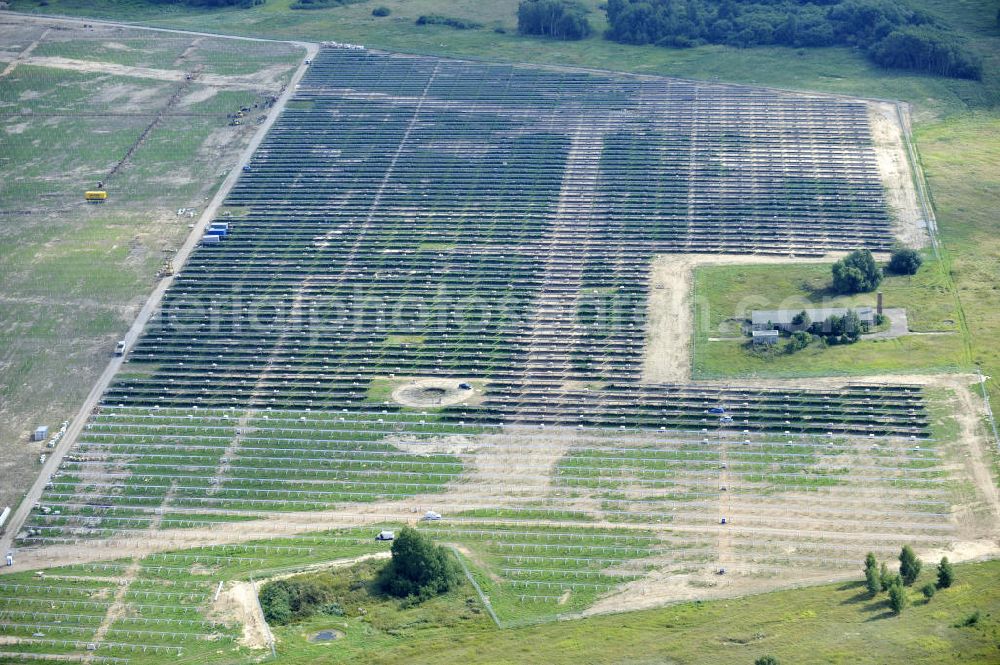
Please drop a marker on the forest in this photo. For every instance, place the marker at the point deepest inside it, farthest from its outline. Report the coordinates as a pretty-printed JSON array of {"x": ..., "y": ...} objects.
[{"x": 890, "y": 33}]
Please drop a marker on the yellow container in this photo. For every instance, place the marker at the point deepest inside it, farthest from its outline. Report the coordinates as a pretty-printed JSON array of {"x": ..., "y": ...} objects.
[{"x": 95, "y": 196}]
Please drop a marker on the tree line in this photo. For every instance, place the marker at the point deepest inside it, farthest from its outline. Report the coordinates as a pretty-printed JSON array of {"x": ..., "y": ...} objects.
[
  {"x": 890, "y": 33},
  {"x": 560, "y": 19},
  {"x": 211, "y": 3}
]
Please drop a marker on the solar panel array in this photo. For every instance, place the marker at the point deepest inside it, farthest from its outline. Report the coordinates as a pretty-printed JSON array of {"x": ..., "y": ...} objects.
[{"x": 412, "y": 217}]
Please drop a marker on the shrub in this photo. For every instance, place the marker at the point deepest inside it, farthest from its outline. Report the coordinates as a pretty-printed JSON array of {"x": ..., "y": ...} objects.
[
  {"x": 275, "y": 600},
  {"x": 457, "y": 23},
  {"x": 897, "y": 597},
  {"x": 802, "y": 320},
  {"x": 909, "y": 565},
  {"x": 856, "y": 273},
  {"x": 836, "y": 329},
  {"x": 322, "y": 4},
  {"x": 928, "y": 590},
  {"x": 766, "y": 660},
  {"x": 970, "y": 620},
  {"x": 560, "y": 19},
  {"x": 204, "y": 3},
  {"x": 799, "y": 340},
  {"x": 419, "y": 569},
  {"x": 945, "y": 574},
  {"x": 381, "y": 11},
  {"x": 286, "y": 601},
  {"x": 886, "y": 578},
  {"x": 852, "y": 325},
  {"x": 872, "y": 581},
  {"x": 904, "y": 261}
]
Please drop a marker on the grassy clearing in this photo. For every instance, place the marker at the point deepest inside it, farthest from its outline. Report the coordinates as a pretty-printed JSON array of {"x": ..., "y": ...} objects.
[
  {"x": 371, "y": 622},
  {"x": 725, "y": 295},
  {"x": 832, "y": 623},
  {"x": 405, "y": 340},
  {"x": 959, "y": 156},
  {"x": 380, "y": 389}
]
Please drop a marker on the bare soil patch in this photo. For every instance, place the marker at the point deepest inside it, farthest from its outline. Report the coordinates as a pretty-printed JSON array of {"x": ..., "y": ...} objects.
[
  {"x": 436, "y": 392},
  {"x": 909, "y": 226},
  {"x": 238, "y": 604},
  {"x": 448, "y": 445},
  {"x": 175, "y": 75}
]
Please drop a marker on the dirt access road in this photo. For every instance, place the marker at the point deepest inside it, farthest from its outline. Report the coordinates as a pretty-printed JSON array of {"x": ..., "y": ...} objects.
[{"x": 76, "y": 426}]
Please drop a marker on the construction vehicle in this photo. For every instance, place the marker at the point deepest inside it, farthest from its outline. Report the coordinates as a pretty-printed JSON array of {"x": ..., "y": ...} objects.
[
  {"x": 120, "y": 348},
  {"x": 167, "y": 269},
  {"x": 95, "y": 196}
]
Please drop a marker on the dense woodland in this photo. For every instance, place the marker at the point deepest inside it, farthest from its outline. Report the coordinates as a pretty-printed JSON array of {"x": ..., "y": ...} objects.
[
  {"x": 889, "y": 32},
  {"x": 560, "y": 19}
]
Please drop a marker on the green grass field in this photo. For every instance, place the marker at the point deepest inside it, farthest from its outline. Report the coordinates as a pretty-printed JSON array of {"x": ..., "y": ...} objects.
[
  {"x": 825, "y": 624},
  {"x": 960, "y": 157},
  {"x": 725, "y": 295}
]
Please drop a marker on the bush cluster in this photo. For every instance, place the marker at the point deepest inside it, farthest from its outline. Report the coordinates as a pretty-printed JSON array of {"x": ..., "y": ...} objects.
[
  {"x": 457, "y": 23},
  {"x": 285, "y": 601},
  {"x": 419, "y": 569},
  {"x": 856, "y": 273},
  {"x": 212, "y": 3},
  {"x": 322, "y": 4},
  {"x": 904, "y": 261},
  {"x": 878, "y": 578}
]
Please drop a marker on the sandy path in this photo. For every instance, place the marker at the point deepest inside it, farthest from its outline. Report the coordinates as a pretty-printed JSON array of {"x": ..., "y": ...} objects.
[
  {"x": 909, "y": 225},
  {"x": 239, "y": 603},
  {"x": 973, "y": 436},
  {"x": 117, "y": 607},
  {"x": 23, "y": 55},
  {"x": 670, "y": 325},
  {"x": 172, "y": 75}
]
